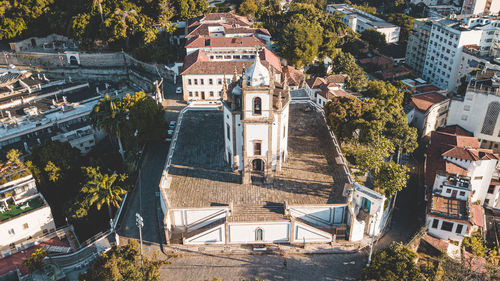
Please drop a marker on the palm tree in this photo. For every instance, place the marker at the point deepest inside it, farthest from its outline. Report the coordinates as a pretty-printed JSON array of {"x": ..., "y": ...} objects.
[
  {"x": 110, "y": 118},
  {"x": 101, "y": 189}
]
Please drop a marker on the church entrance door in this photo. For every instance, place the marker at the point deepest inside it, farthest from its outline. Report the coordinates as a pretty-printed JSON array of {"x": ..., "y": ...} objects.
[
  {"x": 257, "y": 165},
  {"x": 257, "y": 171}
]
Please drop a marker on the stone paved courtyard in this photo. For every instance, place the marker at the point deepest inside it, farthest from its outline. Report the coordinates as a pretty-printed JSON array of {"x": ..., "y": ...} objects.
[{"x": 201, "y": 178}]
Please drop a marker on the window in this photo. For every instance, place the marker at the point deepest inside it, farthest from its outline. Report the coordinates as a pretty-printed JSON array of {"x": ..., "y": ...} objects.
[
  {"x": 464, "y": 117},
  {"x": 448, "y": 190},
  {"x": 491, "y": 189},
  {"x": 462, "y": 193},
  {"x": 196, "y": 81},
  {"x": 257, "y": 106},
  {"x": 211, "y": 81},
  {"x": 459, "y": 229},
  {"x": 11, "y": 231},
  {"x": 45, "y": 232},
  {"x": 25, "y": 226},
  {"x": 435, "y": 223},
  {"x": 259, "y": 234},
  {"x": 189, "y": 81},
  {"x": 202, "y": 82},
  {"x": 486, "y": 201},
  {"x": 478, "y": 178},
  {"x": 257, "y": 148},
  {"x": 228, "y": 131},
  {"x": 190, "y": 94},
  {"x": 219, "y": 81},
  {"x": 466, "y": 107},
  {"x": 447, "y": 226},
  {"x": 284, "y": 131},
  {"x": 211, "y": 93}
]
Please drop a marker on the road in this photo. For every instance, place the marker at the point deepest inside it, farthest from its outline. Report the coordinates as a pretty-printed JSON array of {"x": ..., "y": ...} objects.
[{"x": 265, "y": 267}]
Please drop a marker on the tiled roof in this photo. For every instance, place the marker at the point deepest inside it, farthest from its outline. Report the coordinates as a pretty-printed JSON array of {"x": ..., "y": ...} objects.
[
  {"x": 199, "y": 63},
  {"x": 427, "y": 89},
  {"x": 448, "y": 206},
  {"x": 441, "y": 141},
  {"x": 249, "y": 41},
  {"x": 470, "y": 154},
  {"x": 454, "y": 169},
  {"x": 425, "y": 101},
  {"x": 477, "y": 213},
  {"x": 316, "y": 82},
  {"x": 457, "y": 130},
  {"x": 336, "y": 78},
  {"x": 294, "y": 76}
]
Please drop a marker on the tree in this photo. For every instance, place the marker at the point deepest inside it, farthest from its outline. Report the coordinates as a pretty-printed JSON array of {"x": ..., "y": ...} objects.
[
  {"x": 369, "y": 157},
  {"x": 147, "y": 118},
  {"x": 345, "y": 63},
  {"x": 13, "y": 156},
  {"x": 101, "y": 189},
  {"x": 123, "y": 263},
  {"x": 375, "y": 39},
  {"x": 35, "y": 261},
  {"x": 249, "y": 8},
  {"x": 124, "y": 24},
  {"x": 396, "y": 262},
  {"x": 188, "y": 9},
  {"x": 390, "y": 178},
  {"x": 110, "y": 118},
  {"x": 16, "y": 16},
  {"x": 344, "y": 115}
]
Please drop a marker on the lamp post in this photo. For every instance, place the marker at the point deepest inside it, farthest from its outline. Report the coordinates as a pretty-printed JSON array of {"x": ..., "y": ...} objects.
[{"x": 140, "y": 224}]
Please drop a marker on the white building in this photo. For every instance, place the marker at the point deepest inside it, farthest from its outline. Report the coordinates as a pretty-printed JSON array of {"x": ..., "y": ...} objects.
[
  {"x": 256, "y": 122},
  {"x": 53, "y": 109},
  {"x": 473, "y": 61},
  {"x": 203, "y": 76},
  {"x": 430, "y": 112},
  {"x": 479, "y": 109},
  {"x": 457, "y": 174},
  {"x": 442, "y": 48},
  {"x": 321, "y": 90},
  {"x": 25, "y": 216},
  {"x": 477, "y": 7},
  {"x": 360, "y": 21}
]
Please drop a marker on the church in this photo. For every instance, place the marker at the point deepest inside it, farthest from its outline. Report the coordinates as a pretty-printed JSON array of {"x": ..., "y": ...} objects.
[{"x": 256, "y": 122}]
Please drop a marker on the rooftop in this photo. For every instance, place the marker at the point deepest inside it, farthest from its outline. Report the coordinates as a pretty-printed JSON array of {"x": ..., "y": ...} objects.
[
  {"x": 229, "y": 42},
  {"x": 349, "y": 10},
  {"x": 12, "y": 171},
  {"x": 14, "y": 210},
  {"x": 425, "y": 101},
  {"x": 200, "y": 178},
  {"x": 449, "y": 207}
]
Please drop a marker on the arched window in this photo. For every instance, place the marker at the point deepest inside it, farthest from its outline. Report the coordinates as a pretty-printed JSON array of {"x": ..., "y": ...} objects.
[
  {"x": 257, "y": 106},
  {"x": 259, "y": 234},
  {"x": 490, "y": 119}
]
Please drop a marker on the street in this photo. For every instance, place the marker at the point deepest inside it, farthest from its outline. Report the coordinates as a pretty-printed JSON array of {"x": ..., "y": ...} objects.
[{"x": 265, "y": 267}]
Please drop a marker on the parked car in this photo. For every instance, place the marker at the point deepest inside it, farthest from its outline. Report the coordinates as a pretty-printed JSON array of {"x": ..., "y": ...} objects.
[
  {"x": 178, "y": 90},
  {"x": 171, "y": 126}
]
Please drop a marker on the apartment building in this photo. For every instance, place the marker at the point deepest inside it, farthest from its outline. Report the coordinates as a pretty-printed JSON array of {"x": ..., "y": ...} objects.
[
  {"x": 477, "y": 7},
  {"x": 437, "y": 57},
  {"x": 25, "y": 217},
  {"x": 430, "y": 112},
  {"x": 458, "y": 174},
  {"x": 479, "y": 109},
  {"x": 34, "y": 110},
  {"x": 360, "y": 21}
]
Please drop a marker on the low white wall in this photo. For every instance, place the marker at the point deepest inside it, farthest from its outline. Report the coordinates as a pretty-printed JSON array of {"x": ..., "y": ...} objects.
[
  {"x": 273, "y": 232},
  {"x": 327, "y": 215},
  {"x": 197, "y": 218},
  {"x": 216, "y": 235},
  {"x": 303, "y": 232}
]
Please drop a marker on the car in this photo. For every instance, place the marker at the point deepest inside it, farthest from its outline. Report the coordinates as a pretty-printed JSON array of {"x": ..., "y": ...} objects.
[
  {"x": 171, "y": 125},
  {"x": 178, "y": 90}
]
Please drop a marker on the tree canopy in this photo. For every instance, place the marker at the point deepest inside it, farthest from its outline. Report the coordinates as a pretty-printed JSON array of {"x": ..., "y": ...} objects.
[
  {"x": 395, "y": 262},
  {"x": 345, "y": 63},
  {"x": 375, "y": 39},
  {"x": 123, "y": 263}
]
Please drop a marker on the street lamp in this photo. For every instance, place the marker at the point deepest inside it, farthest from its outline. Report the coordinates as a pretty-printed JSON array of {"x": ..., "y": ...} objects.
[{"x": 139, "y": 221}]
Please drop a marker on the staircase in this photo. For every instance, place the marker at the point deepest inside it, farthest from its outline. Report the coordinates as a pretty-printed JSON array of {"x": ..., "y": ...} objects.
[{"x": 249, "y": 213}]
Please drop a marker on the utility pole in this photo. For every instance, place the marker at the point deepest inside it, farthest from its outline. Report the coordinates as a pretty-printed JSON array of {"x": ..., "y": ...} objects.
[
  {"x": 371, "y": 243},
  {"x": 140, "y": 224}
]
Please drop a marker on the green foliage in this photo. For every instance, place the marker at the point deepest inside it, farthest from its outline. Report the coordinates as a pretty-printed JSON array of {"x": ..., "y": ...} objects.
[
  {"x": 474, "y": 244},
  {"x": 123, "y": 263},
  {"x": 53, "y": 172},
  {"x": 395, "y": 262},
  {"x": 249, "y": 8},
  {"x": 15, "y": 16},
  {"x": 366, "y": 8},
  {"x": 345, "y": 63},
  {"x": 405, "y": 22},
  {"x": 191, "y": 8},
  {"x": 344, "y": 116},
  {"x": 391, "y": 178},
  {"x": 369, "y": 156},
  {"x": 35, "y": 261},
  {"x": 13, "y": 156},
  {"x": 304, "y": 41},
  {"x": 102, "y": 189},
  {"x": 375, "y": 39}
]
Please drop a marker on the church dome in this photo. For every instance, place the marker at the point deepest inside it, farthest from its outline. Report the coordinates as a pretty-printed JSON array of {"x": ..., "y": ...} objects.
[{"x": 257, "y": 74}]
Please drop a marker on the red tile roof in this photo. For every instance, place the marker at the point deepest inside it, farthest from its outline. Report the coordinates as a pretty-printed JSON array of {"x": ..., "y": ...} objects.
[
  {"x": 439, "y": 244},
  {"x": 425, "y": 101},
  {"x": 452, "y": 168},
  {"x": 199, "y": 63},
  {"x": 249, "y": 41},
  {"x": 448, "y": 206},
  {"x": 477, "y": 214},
  {"x": 470, "y": 154},
  {"x": 294, "y": 76},
  {"x": 316, "y": 82},
  {"x": 427, "y": 89},
  {"x": 457, "y": 130},
  {"x": 337, "y": 78},
  {"x": 475, "y": 263}
]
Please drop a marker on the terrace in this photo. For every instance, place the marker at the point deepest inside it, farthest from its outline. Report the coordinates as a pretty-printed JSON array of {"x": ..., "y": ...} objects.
[
  {"x": 449, "y": 207},
  {"x": 12, "y": 171},
  {"x": 12, "y": 210}
]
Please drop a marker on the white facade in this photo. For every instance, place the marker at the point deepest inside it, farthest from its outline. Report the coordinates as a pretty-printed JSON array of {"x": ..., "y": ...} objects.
[
  {"x": 435, "y": 117},
  {"x": 23, "y": 230},
  {"x": 443, "y": 47},
  {"x": 360, "y": 21},
  {"x": 477, "y": 7},
  {"x": 439, "y": 227},
  {"x": 474, "y": 112}
]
